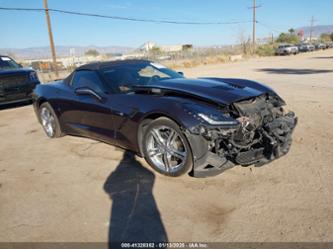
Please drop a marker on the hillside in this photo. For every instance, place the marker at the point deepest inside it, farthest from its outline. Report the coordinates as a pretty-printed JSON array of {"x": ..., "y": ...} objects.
[
  {"x": 62, "y": 51},
  {"x": 317, "y": 30}
]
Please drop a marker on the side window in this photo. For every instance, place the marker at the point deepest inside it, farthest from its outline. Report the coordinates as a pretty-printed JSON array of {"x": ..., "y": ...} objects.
[
  {"x": 121, "y": 79},
  {"x": 150, "y": 72},
  {"x": 86, "y": 78}
]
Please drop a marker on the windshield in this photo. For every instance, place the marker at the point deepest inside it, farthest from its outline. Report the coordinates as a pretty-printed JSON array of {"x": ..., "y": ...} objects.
[
  {"x": 7, "y": 63},
  {"x": 122, "y": 78}
]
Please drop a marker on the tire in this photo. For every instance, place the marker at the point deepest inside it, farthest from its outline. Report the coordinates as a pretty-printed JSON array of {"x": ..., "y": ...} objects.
[
  {"x": 51, "y": 125},
  {"x": 166, "y": 148}
]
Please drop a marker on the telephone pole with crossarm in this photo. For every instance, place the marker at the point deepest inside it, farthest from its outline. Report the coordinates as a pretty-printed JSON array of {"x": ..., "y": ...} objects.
[{"x": 48, "y": 20}]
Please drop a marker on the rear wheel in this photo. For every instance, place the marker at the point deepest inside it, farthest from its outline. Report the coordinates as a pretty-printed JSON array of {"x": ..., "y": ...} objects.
[
  {"x": 49, "y": 121},
  {"x": 166, "y": 149}
]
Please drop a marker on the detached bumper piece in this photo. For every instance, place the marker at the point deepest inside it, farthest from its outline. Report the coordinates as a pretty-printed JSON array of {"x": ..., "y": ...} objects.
[{"x": 211, "y": 165}]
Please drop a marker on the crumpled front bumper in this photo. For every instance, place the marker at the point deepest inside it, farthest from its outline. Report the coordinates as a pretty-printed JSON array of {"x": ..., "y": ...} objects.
[
  {"x": 208, "y": 164},
  {"x": 205, "y": 162}
]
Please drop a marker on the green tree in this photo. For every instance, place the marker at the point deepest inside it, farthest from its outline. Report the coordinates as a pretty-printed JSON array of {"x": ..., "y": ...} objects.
[
  {"x": 291, "y": 31},
  {"x": 290, "y": 37},
  {"x": 92, "y": 52},
  {"x": 326, "y": 37}
]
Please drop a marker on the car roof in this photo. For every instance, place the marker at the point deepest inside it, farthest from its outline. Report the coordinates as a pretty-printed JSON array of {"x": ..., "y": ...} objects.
[{"x": 106, "y": 64}]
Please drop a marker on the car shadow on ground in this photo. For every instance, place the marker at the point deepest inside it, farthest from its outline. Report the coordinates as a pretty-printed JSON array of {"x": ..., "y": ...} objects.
[
  {"x": 322, "y": 57},
  {"x": 134, "y": 214},
  {"x": 15, "y": 105},
  {"x": 293, "y": 71}
]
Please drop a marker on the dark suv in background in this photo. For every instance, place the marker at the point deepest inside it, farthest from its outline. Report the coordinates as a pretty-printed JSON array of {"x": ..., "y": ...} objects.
[{"x": 16, "y": 83}]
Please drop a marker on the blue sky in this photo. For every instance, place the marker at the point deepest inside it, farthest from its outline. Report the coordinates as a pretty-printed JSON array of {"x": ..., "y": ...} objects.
[{"x": 28, "y": 29}]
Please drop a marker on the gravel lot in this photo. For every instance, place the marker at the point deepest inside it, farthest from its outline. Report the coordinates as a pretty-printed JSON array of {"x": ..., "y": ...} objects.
[{"x": 76, "y": 189}]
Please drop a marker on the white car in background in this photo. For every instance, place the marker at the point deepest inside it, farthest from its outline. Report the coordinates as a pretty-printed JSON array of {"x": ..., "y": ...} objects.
[{"x": 287, "y": 49}]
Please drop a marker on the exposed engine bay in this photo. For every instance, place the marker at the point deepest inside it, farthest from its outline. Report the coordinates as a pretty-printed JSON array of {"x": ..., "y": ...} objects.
[{"x": 263, "y": 134}]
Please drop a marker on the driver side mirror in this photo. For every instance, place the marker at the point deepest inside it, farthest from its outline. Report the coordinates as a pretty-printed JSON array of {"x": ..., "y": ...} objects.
[
  {"x": 88, "y": 91},
  {"x": 181, "y": 73}
]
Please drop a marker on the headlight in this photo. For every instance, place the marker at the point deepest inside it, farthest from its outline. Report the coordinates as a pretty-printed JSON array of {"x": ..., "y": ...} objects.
[
  {"x": 215, "y": 120},
  {"x": 33, "y": 76},
  {"x": 210, "y": 115}
]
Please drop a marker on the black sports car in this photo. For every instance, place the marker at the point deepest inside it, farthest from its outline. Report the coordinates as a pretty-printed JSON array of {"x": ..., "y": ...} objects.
[
  {"x": 16, "y": 83},
  {"x": 201, "y": 126}
]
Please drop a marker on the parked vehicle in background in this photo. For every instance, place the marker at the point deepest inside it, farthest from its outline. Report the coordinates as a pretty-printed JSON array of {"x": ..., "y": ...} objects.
[
  {"x": 304, "y": 47},
  {"x": 287, "y": 49},
  {"x": 329, "y": 45},
  {"x": 16, "y": 83},
  {"x": 311, "y": 47},
  {"x": 320, "y": 46}
]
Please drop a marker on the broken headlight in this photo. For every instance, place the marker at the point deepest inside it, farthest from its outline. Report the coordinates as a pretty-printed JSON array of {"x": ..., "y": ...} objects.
[
  {"x": 217, "y": 120},
  {"x": 210, "y": 115}
]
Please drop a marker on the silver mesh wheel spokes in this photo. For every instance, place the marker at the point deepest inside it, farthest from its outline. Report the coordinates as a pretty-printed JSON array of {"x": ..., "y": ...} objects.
[
  {"x": 166, "y": 149},
  {"x": 48, "y": 121}
]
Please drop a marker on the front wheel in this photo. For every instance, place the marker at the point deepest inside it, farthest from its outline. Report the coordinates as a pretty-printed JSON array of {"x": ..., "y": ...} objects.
[
  {"x": 49, "y": 121},
  {"x": 166, "y": 149}
]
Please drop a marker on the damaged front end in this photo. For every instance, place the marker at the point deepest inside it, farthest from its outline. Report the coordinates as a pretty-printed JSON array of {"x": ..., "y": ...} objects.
[{"x": 254, "y": 131}]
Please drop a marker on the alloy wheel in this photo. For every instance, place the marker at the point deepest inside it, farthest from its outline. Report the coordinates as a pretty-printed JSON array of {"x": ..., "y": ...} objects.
[
  {"x": 166, "y": 148},
  {"x": 48, "y": 121}
]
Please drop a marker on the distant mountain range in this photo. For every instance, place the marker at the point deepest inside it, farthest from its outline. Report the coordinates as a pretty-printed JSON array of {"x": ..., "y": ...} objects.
[
  {"x": 65, "y": 51},
  {"x": 317, "y": 30},
  {"x": 62, "y": 51}
]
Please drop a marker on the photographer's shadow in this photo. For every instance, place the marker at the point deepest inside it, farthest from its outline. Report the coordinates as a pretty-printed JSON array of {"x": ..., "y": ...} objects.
[{"x": 134, "y": 213}]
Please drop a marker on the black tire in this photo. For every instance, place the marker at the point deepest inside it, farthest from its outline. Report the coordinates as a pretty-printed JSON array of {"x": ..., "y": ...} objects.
[
  {"x": 166, "y": 122},
  {"x": 57, "y": 129}
]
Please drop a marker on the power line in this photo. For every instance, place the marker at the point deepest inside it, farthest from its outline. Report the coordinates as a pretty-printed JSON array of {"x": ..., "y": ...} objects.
[
  {"x": 269, "y": 27},
  {"x": 124, "y": 18}
]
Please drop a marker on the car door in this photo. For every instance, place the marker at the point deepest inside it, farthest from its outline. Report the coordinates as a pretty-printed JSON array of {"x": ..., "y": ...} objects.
[
  {"x": 90, "y": 112},
  {"x": 125, "y": 105}
]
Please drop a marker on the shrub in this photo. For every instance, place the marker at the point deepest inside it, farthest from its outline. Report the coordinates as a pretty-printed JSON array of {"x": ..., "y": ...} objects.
[
  {"x": 92, "y": 52},
  {"x": 266, "y": 50}
]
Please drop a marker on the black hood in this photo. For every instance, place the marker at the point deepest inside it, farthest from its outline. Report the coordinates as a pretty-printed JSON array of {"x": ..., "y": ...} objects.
[
  {"x": 15, "y": 71},
  {"x": 222, "y": 91}
]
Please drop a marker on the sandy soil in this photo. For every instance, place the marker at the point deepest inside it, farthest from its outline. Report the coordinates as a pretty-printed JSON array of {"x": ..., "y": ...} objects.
[{"x": 64, "y": 190}]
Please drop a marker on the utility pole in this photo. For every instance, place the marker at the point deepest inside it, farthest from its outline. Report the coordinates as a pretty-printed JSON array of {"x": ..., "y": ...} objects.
[
  {"x": 311, "y": 27},
  {"x": 48, "y": 20},
  {"x": 254, "y": 7}
]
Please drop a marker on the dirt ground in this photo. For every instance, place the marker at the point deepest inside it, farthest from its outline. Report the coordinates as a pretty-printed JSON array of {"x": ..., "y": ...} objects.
[{"x": 76, "y": 189}]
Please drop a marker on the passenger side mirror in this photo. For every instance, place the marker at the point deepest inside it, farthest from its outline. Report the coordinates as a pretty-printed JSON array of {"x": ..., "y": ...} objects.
[{"x": 88, "y": 91}]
